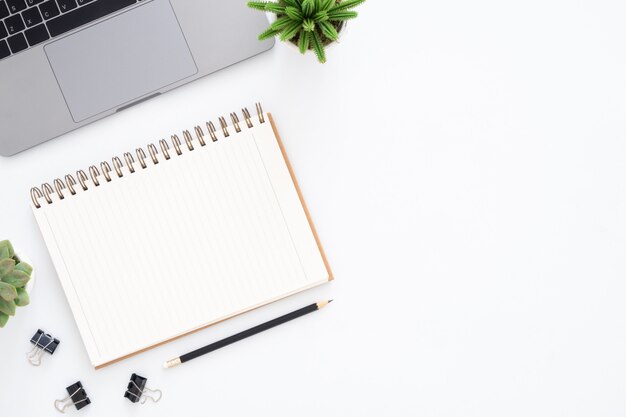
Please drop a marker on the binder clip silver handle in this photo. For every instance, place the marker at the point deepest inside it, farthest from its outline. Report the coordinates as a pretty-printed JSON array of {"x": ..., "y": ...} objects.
[
  {"x": 36, "y": 353},
  {"x": 77, "y": 397},
  {"x": 61, "y": 405},
  {"x": 153, "y": 394}
]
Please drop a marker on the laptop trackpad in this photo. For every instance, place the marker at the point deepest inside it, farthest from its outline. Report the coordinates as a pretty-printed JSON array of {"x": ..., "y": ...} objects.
[{"x": 121, "y": 60}]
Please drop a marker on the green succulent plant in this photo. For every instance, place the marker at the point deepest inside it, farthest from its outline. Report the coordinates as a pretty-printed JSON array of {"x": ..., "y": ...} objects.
[
  {"x": 310, "y": 24},
  {"x": 14, "y": 274}
]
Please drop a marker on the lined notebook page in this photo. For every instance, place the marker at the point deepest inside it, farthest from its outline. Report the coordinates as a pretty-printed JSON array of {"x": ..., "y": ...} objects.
[{"x": 182, "y": 244}]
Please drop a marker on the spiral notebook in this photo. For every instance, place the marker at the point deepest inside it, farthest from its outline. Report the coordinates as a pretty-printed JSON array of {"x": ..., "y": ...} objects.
[{"x": 177, "y": 236}]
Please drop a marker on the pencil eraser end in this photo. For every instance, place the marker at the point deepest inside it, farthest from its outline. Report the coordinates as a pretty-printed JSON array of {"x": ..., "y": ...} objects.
[{"x": 172, "y": 363}]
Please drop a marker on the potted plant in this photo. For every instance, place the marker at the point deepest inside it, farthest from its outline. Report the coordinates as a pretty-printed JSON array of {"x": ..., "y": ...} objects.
[
  {"x": 308, "y": 24},
  {"x": 15, "y": 274}
]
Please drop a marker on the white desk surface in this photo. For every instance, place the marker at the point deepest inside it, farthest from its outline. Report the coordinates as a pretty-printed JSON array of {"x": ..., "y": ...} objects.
[{"x": 464, "y": 163}]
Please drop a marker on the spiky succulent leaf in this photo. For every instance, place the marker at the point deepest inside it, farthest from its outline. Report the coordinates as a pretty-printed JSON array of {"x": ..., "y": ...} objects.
[
  {"x": 275, "y": 8},
  {"x": 320, "y": 16},
  {"x": 4, "y": 318},
  {"x": 308, "y": 7},
  {"x": 290, "y": 31},
  {"x": 275, "y": 28},
  {"x": 6, "y": 266},
  {"x": 303, "y": 41},
  {"x": 308, "y": 25},
  {"x": 7, "y": 291},
  {"x": 6, "y": 250},
  {"x": 22, "y": 299},
  {"x": 292, "y": 3},
  {"x": 326, "y": 5},
  {"x": 294, "y": 13},
  {"x": 329, "y": 30},
  {"x": 284, "y": 21},
  {"x": 318, "y": 47},
  {"x": 7, "y": 307},
  {"x": 341, "y": 15},
  {"x": 268, "y": 33},
  {"x": 24, "y": 267},
  {"x": 347, "y": 4},
  {"x": 259, "y": 5},
  {"x": 16, "y": 278}
]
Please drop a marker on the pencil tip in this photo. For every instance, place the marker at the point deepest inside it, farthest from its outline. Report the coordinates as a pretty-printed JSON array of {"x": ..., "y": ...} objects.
[{"x": 330, "y": 301}]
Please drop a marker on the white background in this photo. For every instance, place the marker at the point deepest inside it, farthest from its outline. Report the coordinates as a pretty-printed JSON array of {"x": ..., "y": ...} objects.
[{"x": 464, "y": 163}]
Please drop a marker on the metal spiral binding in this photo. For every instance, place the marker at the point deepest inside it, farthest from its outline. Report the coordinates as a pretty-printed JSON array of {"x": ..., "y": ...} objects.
[
  {"x": 82, "y": 178},
  {"x": 104, "y": 170}
]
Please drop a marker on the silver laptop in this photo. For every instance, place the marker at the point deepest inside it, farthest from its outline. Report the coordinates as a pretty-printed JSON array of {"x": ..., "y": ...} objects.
[{"x": 66, "y": 63}]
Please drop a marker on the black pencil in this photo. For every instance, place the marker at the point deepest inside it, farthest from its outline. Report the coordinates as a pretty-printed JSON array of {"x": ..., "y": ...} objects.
[{"x": 246, "y": 333}]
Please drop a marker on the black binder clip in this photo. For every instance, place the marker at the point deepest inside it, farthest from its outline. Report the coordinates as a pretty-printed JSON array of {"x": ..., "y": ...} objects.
[
  {"x": 43, "y": 343},
  {"x": 136, "y": 392},
  {"x": 78, "y": 398}
]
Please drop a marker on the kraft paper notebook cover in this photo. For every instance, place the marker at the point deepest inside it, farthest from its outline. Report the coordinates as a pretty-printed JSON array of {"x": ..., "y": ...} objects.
[{"x": 178, "y": 236}]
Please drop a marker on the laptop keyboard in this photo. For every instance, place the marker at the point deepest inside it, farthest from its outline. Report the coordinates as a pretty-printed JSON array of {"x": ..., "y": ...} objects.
[{"x": 26, "y": 23}]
